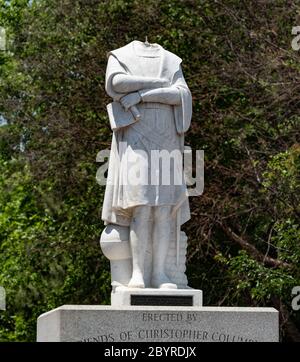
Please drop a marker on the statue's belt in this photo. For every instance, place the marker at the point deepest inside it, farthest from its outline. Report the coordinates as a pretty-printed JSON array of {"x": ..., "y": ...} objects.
[{"x": 156, "y": 138}]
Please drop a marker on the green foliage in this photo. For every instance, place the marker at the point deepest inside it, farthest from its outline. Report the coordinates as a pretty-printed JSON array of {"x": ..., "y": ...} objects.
[
  {"x": 244, "y": 78},
  {"x": 261, "y": 283},
  {"x": 44, "y": 262}
]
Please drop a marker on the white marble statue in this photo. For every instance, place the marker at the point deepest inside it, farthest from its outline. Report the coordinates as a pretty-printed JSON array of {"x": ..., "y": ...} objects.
[{"x": 150, "y": 112}]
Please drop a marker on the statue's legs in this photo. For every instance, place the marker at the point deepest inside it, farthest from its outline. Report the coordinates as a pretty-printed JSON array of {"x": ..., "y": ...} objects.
[
  {"x": 161, "y": 240},
  {"x": 140, "y": 233}
]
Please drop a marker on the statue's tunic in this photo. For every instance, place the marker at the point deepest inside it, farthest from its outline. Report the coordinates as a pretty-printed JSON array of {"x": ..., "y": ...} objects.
[{"x": 161, "y": 127}]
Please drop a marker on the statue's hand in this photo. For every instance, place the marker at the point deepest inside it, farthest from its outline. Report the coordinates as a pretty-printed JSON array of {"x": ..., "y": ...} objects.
[{"x": 130, "y": 100}]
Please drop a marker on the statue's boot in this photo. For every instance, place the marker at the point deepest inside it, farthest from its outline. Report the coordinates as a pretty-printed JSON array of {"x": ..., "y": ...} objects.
[
  {"x": 162, "y": 281},
  {"x": 137, "y": 281}
]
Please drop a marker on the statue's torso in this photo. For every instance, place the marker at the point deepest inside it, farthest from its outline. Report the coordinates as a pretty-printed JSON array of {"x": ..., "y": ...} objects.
[{"x": 158, "y": 117}]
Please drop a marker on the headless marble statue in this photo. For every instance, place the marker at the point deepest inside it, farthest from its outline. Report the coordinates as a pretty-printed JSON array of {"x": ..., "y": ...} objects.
[{"x": 151, "y": 111}]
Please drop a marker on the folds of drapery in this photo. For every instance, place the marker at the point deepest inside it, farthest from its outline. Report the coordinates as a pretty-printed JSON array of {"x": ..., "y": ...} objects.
[
  {"x": 182, "y": 112},
  {"x": 111, "y": 212},
  {"x": 113, "y": 68}
]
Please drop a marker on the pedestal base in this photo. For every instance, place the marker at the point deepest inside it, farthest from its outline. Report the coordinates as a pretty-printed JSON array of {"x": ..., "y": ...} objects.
[
  {"x": 74, "y": 323},
  {"x": 125, "y": 297}
]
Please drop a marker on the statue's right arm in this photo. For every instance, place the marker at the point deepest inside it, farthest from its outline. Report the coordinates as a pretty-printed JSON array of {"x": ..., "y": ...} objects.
[{"x": 123, "y": 83}]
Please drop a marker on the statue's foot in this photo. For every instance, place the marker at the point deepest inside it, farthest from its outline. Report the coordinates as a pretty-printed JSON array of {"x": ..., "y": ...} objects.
[
  {"x": 163, "y": 282},
  {"x": 137, "y": 281}
]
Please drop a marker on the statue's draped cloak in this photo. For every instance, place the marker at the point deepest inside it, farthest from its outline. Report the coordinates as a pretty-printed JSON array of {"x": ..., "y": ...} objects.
[{"x": 161, "y": 127}]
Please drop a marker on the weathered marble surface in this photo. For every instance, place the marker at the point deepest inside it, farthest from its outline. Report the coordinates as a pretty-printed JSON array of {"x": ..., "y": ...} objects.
[
  {"x": 151, "y": 109},
  {"x": 72, "y": 323}
]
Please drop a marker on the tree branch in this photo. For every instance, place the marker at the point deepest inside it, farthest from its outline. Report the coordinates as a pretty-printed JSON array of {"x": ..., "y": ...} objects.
[{"x": 256, "y": 254}]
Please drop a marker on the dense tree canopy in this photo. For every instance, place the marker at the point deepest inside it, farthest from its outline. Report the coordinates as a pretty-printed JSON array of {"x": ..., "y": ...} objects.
[{"x": 244, "y": 77}]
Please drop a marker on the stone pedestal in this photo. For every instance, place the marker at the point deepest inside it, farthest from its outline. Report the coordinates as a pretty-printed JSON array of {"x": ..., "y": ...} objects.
[
  {"x": 125, "y": 297},
  {"x": 73, "y": 323}
]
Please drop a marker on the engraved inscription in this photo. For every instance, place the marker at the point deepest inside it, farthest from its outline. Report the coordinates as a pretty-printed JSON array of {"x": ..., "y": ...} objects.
[{"x": 159, "y": 327}]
